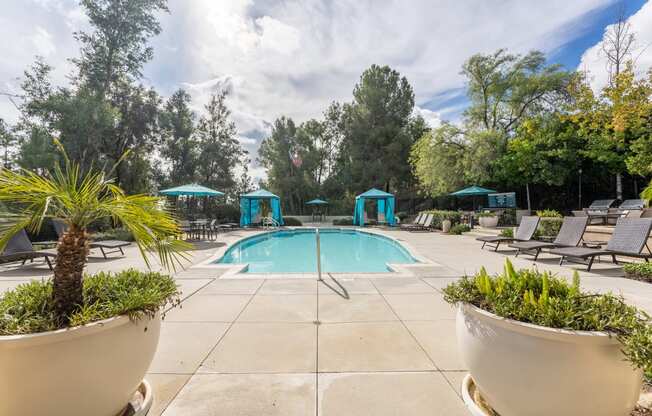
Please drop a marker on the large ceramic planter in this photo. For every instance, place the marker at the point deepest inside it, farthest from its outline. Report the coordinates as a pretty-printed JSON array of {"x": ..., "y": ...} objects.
[
  {"x": 82, "y": 371},
  {"x": 488, "y": 222},
  {"x": 523, "y": 369}
]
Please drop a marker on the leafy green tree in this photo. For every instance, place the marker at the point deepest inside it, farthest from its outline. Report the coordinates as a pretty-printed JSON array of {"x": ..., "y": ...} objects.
[
  {"x": 220, "y": 151},
  {"x": 116, "y": 49},
  {"x": 377, "y": 134},
  {"x": 8, "y": 142},
  {"x": 179, "y": 146}
]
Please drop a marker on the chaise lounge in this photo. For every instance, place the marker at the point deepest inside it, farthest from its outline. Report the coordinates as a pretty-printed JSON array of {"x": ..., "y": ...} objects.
[
  {"x": 19, "y": 248},
  {"x": 570, "y": 235},
  {"x": 524, "y": 232},
  {"x": 628, "y": 239}
]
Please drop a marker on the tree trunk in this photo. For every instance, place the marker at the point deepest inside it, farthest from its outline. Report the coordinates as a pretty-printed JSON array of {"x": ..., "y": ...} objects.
[
  {"x": 619, "y": 186},
  {"x": 527, "y": 193},
  {"x": 68, "y": 273}
]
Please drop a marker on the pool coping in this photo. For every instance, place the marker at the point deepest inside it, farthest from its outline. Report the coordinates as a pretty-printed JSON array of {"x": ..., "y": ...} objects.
[{"x": 235, "y": 271}]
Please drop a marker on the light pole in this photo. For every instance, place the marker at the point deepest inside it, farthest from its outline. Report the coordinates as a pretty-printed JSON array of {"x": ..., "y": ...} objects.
[{"x": 580, "y": 189}]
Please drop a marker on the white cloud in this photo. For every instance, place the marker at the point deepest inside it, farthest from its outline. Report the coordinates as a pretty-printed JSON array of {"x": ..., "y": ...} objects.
[
  {"x": 594, "y": 60},
  {"x": 433, "y": 119}
]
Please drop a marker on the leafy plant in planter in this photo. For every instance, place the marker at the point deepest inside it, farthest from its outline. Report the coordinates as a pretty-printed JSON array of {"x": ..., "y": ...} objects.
[
  {"x": 507, "y": 232},
  {"x": 102, "y": 341},
  {"x": 581, "y": 342},
  {"x": 550, "y": 223}
]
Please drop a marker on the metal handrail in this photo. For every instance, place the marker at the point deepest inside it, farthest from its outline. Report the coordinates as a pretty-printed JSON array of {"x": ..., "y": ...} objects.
[{"x": 318, "y": 254}]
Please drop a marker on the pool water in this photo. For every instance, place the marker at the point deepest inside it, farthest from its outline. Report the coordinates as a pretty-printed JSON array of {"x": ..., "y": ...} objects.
[{"x": 294, "y": 251}]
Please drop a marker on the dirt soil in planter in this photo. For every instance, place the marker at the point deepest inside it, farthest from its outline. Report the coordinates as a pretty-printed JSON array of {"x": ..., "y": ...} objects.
[{"x": 646, "y": 398}]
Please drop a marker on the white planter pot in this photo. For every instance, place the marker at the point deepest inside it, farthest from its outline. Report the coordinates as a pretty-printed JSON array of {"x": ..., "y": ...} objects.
[
  {"x": 445, "y": 226},
  {"x": 88, "y": 370},
  {"x": 488, "y": 222},
  {"x": 523, "y": 369}
]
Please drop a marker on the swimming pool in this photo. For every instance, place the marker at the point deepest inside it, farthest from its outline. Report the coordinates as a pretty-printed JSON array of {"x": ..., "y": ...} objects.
[{"x": 294, "y": 251}]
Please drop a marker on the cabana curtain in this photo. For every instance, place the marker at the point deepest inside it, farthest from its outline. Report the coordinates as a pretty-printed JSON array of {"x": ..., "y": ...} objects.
[{"x": 250, "y": 207}]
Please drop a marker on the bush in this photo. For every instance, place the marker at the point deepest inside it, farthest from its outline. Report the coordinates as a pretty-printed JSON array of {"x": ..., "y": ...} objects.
[
  {"x": 507, "y": 232},
  {"x": 114, "y": 234},
  {"x": 438, "y": 216},
  {"x": 548, "y": 227},
  {"x": 343, "y": 221},
  {"x": 29, "y": 308},
  {"x": 549, "y": 213},
  {"x": 638, "y": 271},
  {"x": 458, "y": 229},
  {"x": 226, "y": 213},
  {"x": 292, "y": 222},
  {"x": 541, "y": 299},
  {"x": 508, "y": 217},
  {"x": 402, "y": 215}
]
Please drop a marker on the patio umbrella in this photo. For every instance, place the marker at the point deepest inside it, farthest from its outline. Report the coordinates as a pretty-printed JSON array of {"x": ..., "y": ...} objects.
[
  {"x": 473, "y": 191},
  {"x": 317, "y": 202},
  {"x": 191, "y": 189}
]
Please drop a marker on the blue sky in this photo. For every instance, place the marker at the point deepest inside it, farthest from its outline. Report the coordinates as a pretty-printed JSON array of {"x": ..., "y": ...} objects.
[{"x": 294, "y": 57}]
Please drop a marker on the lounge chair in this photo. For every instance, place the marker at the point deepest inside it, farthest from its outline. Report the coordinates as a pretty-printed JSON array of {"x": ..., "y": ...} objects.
[
  {"x": 425, "y": 225},
  {"x": 524, "y": 232},
  {"x": 417, "y": 221},
  {"x": 106, "y": 246},
  {"x": 598, "y": 211},
  {"x": 19, "y": 248},
  {"x": 570, "y": 235},
  {"x": 628, "y": 239},
  {"x": 630, "y": 208}
]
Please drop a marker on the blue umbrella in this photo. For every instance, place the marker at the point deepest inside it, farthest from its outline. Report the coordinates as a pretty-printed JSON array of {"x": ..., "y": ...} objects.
[
  {"x": 317, "y": 202},
  {"x": 192, "y": 189}
]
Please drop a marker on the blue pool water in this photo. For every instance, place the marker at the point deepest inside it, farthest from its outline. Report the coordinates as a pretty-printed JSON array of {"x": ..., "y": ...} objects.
[{"x": 294, "y": 251}]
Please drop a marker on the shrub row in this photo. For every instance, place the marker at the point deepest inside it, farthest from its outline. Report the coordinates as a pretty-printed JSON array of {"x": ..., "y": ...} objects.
[{"x": 438, "y": 216}]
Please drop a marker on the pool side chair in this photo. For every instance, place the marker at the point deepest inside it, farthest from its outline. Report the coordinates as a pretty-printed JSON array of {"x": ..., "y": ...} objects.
[
  {"x": 570, "y": 234},
  {"x": 425, "y": 225},
  {"x": 524, "y": 232},
  {"x": 19, "y": 248},
  {"x": 629, "y": 238},
  {"x": 106, "y": 247},
  {"x": 417, "y": 221}
]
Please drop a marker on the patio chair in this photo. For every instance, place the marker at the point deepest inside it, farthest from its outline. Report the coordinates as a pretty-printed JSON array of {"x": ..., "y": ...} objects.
[
  {"x": 424, "y": 226},
  {"x": 106, "y": 246},
  {"x": 598, "y": 211},
  {"x": 417, "y": 221},
  {"x": 628, "y": 239},
  {"x": 19, "y": 248},
  {"x": 524, "y": 232},
  {"x": 629, "y": 206},
  {"x": 570, "y": 235}
]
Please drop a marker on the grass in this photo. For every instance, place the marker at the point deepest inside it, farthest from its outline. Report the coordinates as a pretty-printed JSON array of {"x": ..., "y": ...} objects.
[
  {"x": 639, "y": 271},
  {"x": 542, "y": 299},
  {"x": 28, "y": 308}
]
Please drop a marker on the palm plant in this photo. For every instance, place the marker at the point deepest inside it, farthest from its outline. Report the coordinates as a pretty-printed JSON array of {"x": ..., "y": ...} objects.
[{"x": 79, "y": 199}]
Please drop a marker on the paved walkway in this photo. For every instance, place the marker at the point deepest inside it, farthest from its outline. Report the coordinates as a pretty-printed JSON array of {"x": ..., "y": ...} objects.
[{"x": 350, "y": 346}]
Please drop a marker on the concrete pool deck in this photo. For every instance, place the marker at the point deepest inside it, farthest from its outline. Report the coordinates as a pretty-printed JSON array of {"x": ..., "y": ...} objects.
[{"x": 356, "y": 345}]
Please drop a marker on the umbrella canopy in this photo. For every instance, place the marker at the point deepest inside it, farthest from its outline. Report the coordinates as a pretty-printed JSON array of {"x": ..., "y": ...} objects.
[
  {"x": 473, "y": 191},
  {"x": 191, "y": 189},
  {"x": 374, "y": 193},
  {"x": 317, "y": 202},
  {"x": 259, "y": 194}
]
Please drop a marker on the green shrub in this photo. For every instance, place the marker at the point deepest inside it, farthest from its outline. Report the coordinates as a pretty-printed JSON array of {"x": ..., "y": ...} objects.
[
  {"x": 639, "y": 271},
  {"x": 548, "y": 227},
  {"x": 343, "y": 221},
  {"x": 541, "y": 299},
  {"x": 226, "y": 213},
  {"x": 549, "y": 213},
  {"x": 114, "y": 234},
  {"x": 458, "y": 229},
  {"x": 507, "y": 232},
  {"x": 292, "y": 222},
  {"x": 438, "y": 216},
  {"x": 485, "y": 214},
  {"x": 29, "y": 308}
]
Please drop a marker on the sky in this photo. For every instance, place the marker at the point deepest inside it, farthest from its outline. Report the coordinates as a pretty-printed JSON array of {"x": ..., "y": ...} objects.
[{"x": 294, "y": 57}]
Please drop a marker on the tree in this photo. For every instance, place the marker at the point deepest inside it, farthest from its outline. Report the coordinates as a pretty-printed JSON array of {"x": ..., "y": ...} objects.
[
  {"x": 115, "y": 51},
  {"x": 377, "y": 136},
  {"x": 179, "y": 146},
  {"x": 80, "y": 199},
  {"x": 7, "y": 143},
  {"x": 219, "y": 150}
]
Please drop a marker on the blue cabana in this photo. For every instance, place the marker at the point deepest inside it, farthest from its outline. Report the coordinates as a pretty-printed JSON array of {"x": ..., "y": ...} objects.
[
  {"x": 385, "y": 203},
  {"x": 250, "y": 206}
]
